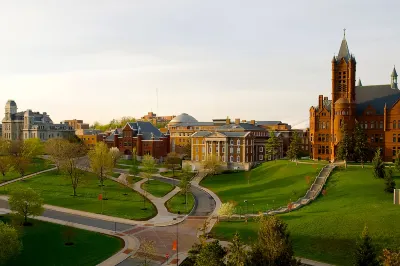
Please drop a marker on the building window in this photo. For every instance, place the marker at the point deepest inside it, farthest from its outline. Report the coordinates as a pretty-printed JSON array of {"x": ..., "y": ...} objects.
[
  {"x": 261, "y": 148},
  {"x": 223, "y": 158},
  {"x": 197, "y": 149},
  {"x": 238, "y": 150},
  {"x": 202, "y": 157},
  {"x": 231, "y": 159},
  {"x": 372, "y": 124},
  {"x": 238, "y": 142},
  {"x": 260, "y": 157},
  {"x": 311, "y": 137},
  {"x": 394, "y": 137},
  {"x": 203, "y": 149},
  {"x": 394, "y": 151},
  {"x": 394, "y": 124},
  {"x": 398, "y": 123},
  {"x": 197, "y": 158},
  {"x": 231, "y": 142},
  {"x": 381, "y": 138},
  {"x": 231, "y": 150},
  {"x": 223, "y": 149},
  {"x": 380, "y": 124},
  {"x": 209, "y": 149},
  {"x": 365, "y": 124}
]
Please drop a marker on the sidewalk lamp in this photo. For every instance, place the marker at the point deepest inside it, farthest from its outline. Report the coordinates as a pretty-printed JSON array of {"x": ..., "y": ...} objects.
[
  {"x": 177, "y": 237},
  {"x": 253, "y": 208},
  {"x": 247, "y": 207}
]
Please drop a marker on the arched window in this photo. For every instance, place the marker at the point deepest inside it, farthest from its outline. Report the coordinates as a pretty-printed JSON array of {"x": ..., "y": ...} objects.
[{"x": 394, "y": 124}]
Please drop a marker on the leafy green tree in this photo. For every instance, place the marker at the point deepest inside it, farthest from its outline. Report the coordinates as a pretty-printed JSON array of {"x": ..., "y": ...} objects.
[
  {"x": 10, "y": 244},
  {"x": 237, "y": 255},
  {"x": 26, "y": 202},
  {"x": 360, "y": 143},
  {"x": 390, "y": 185},
  {"x": 5, "y": 164},
  {"x": 149, "y": 164},
  {"x": 115, "y": 155},
  {"x": 211, "y": 254},
  {"x": 345, "y": 146},
  {"x": 378, "y": 165},
  {"x": 227, "y": 209},
  {"x": 184, "y": 185},
  {"x": 32, "y": 148},
  {"x": 294, "y": 148},
  {"x": 56, "y": 149},
  {"x": 272, "y": 145},
  {"x": 101, "y": 161},
  {"x": 365, "y": 254},
  {"x": 134, "y": 170},
  {"x": 273, "y": 246},
  {"x": 390, "y": 257},
  {"x": 173, "y": 161}
]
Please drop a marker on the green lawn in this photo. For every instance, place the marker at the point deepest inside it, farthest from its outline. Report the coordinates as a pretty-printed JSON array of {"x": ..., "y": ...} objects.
[
  {"x": 37, "y": 165},
  {"x": 157, "y": 188},
  {"x": 116, "y": 175},
  {"x": 271, "y": 185},
  {"x": 133, "y": 179},
  {"x": 57, "y": 190},
  {"x": 125, "y": 161},
  {"x": 327, "y": 229},
  {"x": 177, "y": 203},
  {"x": 120, "y": 166},
  {"x": 44, "y": 244},
  {"x": 178, "y": 174}
]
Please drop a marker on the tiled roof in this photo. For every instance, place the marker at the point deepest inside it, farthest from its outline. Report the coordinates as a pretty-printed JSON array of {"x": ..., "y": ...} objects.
[{"x": 147, "y": 129}]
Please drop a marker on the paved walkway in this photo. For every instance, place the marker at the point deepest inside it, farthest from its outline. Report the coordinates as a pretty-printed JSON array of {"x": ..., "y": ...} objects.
[{"x": 27, "y": 176}]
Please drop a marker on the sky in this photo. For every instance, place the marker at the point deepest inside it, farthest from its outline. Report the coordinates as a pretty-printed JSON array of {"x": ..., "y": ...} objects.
[{"x": 265, "y": 60}]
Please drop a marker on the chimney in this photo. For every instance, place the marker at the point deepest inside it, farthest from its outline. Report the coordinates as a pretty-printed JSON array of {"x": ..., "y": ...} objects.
[
  {"x": 320, "y": 101},
  {"x": 237, "y": 121},
  {"x": 228, "y": 121},
  {"x": 244, "y": 121},
  {"x": 253, "y": 122}
]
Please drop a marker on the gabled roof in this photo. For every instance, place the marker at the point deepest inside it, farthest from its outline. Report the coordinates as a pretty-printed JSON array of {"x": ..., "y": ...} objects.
[
  {"x": 146, "y": 129},
  {"x": 327, "y": 104},
  {"x": 376, "y": 96}
]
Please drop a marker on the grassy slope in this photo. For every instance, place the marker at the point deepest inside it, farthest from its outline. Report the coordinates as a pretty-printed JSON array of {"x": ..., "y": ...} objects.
[
  {"x": 37, "y": 165},
  {"x": 44, "y": 244},
  {"x": 327, "y": 230},
  {"x": 271, "y": 185},
  {"x": 178, "y": 174},
  {"x": 57, "y": 190},
  {"x": 177, "y": 203},
  {"x": 157, "y": 188}
]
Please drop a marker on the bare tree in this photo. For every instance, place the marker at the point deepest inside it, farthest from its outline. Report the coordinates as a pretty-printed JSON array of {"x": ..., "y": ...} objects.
[
  {"x": 70, "y": 163},
  {"x": 173, "y": 161},
  {"x": 147, "y": 251},
  {"x": 115, "y": 155},
  {"x": 55, "y": 148}
]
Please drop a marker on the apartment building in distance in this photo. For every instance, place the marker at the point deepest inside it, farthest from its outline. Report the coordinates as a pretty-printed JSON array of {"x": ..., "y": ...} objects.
[
  {"x": 140, "y": 137},
  {"x": 25, "y": 125},
  {"x": 89, "y": 137},
  {"x": 375, "y": 107},
  {"x": 77, "y": 124}
]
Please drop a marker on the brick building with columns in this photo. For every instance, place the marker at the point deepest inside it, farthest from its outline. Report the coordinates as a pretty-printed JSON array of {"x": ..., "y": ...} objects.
[{"x": 375, "y": 107}]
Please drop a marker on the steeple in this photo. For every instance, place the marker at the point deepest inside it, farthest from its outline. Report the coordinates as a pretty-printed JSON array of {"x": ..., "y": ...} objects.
[
  {"x": 344, "y": 49},
  {"x": 359, "y": 84},
  {"x": 393, "y": 82}
]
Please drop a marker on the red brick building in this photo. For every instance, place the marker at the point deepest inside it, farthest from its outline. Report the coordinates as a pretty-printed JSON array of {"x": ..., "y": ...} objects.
[
  {"x": 375, "y": 107},
  {"x": 142, "y": 136}
]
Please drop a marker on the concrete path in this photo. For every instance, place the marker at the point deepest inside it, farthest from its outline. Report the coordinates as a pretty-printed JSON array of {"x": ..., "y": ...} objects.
[{"x": 27, "y": 176}]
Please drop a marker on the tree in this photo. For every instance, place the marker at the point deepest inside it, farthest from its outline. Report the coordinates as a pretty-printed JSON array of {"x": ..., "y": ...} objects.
[
  {"x": 187, "y": 150},
  {"x": 272, "y": 146},
  {"x": 187, "y": 171},
  {"x": 390, "y": 185},
  {"x": 173, "y": 161},
  {"x": 365, "y": 253},
  {"x": 345, "y": 145},
  {"x": 134, "y": 170},
  {"x": 5, "y": 164},
  {"x": 147, "y": 251},
  {"x": 294, "y": 148},
  {"x": 115, "y": 155},
  {"x": 32, "y": 148},
  {"x": 397, "y": 162},
  {"x": 211, "y": 254},
  {"x": 134, "y": 156},
  {"x": 10, "y": 243},
  {"x": 360, "y": 144},
  {"x": 212, "y": 165},
  {"x": 390, "y": 257},
  {"x": 20, "y": 164},
  {"x": 184, "y": 185},
  {"x": 227, "y": 209},
  {"x": 101, "y": 161},
  {"x": 378, "y": 165},
  {"x": 55, "y": 148},
  {"x": 273, "y": 246},
  {"x": 70, "y": 163},
  {"x": 237, "y": 255},
  {"x": 26, "y": 202},
  {"x": 149, "y": 164}
]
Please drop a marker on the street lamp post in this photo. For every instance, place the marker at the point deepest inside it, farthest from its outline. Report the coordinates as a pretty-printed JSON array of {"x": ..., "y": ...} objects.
[
  {"x": 253, "y": 208},
  {"x": 177, "y": 239},
  {"x": 247, "y": 207}
]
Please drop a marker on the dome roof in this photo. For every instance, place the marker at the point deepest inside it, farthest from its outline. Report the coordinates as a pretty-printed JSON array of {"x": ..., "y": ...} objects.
[
  {"x": 183, "y": 118},
  {"x": 11, "y": 103}
]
